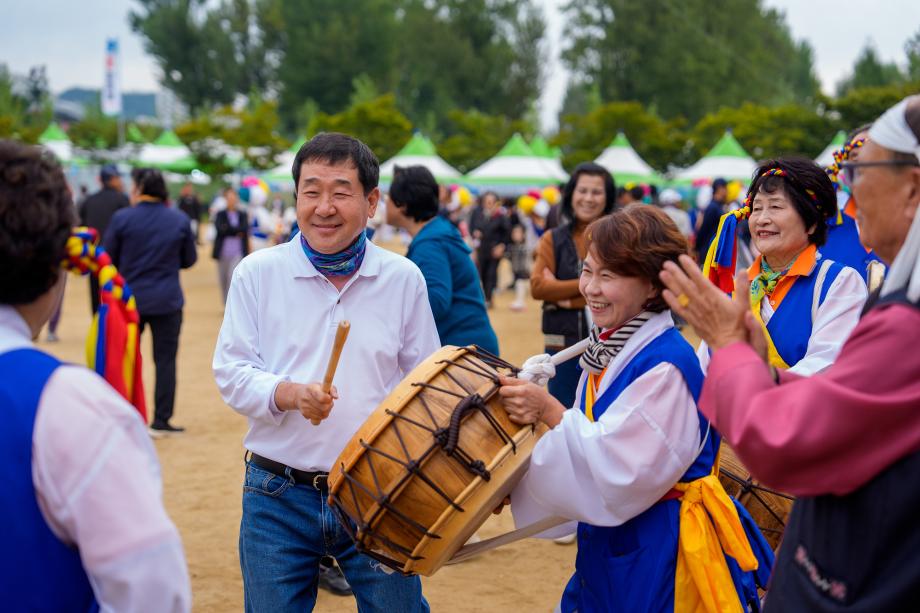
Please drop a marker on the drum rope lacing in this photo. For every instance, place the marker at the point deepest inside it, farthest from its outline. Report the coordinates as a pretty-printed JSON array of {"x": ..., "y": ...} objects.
[
  {"x": 749, "y": 487},
  {"x": 445, "y": 439}
]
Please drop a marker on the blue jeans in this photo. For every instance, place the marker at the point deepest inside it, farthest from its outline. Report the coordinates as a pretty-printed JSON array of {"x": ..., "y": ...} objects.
[{"x": 286, "y": 528}]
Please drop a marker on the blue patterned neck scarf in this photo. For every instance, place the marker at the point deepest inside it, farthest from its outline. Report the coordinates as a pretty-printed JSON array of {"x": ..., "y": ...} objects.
[{"x": 341, "y": 264}]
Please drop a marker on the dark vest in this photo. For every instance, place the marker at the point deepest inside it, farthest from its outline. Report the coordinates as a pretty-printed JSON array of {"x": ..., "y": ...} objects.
[
  {"x": 569, "y": 323},
  {"x": 860, "y": 552}
]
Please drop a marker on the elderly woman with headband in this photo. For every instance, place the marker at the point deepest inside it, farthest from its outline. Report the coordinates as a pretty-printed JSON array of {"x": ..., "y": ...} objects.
[
  {"x": 846, "y": 441},
  {"x": 632, "y": 460},
  {"x": 807, "y": 304}
]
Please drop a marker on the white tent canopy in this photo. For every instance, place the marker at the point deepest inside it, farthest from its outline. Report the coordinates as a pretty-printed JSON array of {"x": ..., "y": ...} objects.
[
  {"x": 419, "y": 151},
  {"x": 516, "y": 167},
  {"x": 727, "y": 160},
  {"x": 826, "y": 157},
  {"x": 56, "y": 141},
  {"x": 625, "y": 164}
]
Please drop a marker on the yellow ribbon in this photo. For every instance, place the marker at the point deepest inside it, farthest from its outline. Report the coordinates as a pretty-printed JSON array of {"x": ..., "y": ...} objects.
[
  {"x": 709, "y": 529},
  {"x": 772, "y": 353}
]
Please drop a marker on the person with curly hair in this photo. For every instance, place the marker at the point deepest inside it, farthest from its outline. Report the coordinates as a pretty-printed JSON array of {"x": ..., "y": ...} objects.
[{"x": 82, "y": 490}]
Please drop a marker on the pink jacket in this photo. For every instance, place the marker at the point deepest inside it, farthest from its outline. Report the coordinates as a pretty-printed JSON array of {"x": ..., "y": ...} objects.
[{"x": 829, "y": 433}]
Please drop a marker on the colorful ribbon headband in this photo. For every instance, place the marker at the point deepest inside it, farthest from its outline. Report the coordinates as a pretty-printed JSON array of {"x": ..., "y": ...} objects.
[
  {"x": 841, "y": 156},
  {"x": 113, "y": 344},
  {"x": 773, "y": 172}
]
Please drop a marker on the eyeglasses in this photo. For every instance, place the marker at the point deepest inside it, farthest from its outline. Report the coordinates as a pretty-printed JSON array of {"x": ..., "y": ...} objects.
[{"x": 850, "y": 168}]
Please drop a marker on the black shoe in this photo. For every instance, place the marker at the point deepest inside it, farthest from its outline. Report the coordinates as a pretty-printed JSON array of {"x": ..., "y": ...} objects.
[
  {"x": 332, "y": 580},
  {"x": 161, "y": 430}
]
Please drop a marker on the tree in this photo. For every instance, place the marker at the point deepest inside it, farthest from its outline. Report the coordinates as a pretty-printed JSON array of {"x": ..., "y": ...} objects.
[
  {"x": 912, "y": 50},
  {"x": 864, "y": 105},
  {"x": 584, "y": 137},
  {"x": 378, "y": 123},
  {"x": 96, "y": 130},
  {"x": 765, "y": 132},
  {"x": 209, "y": 55},
  {"x": 476, "y": 137},
  {"x": 870, "y": 71},
  {"x": 686, "y": 57}
]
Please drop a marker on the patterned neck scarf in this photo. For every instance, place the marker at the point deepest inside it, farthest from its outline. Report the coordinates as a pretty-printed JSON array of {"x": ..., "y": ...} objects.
[
  {"x": 604, "y": 346},
  {"x": 340, "y": 264},
  {"x": 766, "y": 281}
]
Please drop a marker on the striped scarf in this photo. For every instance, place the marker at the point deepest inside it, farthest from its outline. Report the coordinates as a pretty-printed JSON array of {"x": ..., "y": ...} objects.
[
  {"x": 340, "y": 264},
  {"x": 604, "y": 346}
]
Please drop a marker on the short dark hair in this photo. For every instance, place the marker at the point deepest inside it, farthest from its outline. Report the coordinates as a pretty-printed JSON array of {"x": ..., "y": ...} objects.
[
  {"x": 637, "y": 192},
  {"x": 150, "y": 182},
  {"x": 596, "y": 170},
  {"x": 636, "y": 241},
  {"x": 801, "y": 176},
  {"x": 720, "y": 182},
  {"x": 415, "y": 190},
  {"x": 36, "y": 219},
  {"x": 334, "y": 148}
]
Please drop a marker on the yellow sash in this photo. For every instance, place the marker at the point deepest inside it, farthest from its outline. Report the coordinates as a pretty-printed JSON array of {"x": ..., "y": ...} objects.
[
  {"x": 772, "y": 354},
  {"x": 709, "y": 529},
  {"x": 590, "y": 391}
]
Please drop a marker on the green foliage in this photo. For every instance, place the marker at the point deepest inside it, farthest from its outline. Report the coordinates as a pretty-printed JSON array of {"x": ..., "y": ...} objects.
[
  {"x": 870, "y": 71},
  {"x": 584, "y": 137},
  {"x": 864, "y": 105},
  {"x": 252, "y": 130},
  {"x": 912, "y": 50},
  {"x": 766, "y": 132},
  {"x": 476, "y": 137},
  {"x": 209, "y": 55},
  {"x": 687, "y": 57},
  {"x": 378, "y": 123},
  {"x": 95, "y": 131},
  {"x": 24, "y": 116}
]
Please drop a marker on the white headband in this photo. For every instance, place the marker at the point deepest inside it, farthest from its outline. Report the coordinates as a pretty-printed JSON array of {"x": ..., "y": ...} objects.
[{"x": 892, "y": 132}]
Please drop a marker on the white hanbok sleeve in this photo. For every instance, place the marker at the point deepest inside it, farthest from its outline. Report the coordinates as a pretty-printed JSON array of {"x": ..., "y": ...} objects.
[
  {"x": 239, "y": 371},
  {"x": 605, "y": 473},
  {"x": 97, "y": 480},
  {"x": 836, "y": 318}
]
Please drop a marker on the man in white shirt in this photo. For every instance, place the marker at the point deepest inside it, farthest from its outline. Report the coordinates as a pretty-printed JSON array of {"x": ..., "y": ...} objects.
[
  {"x": 84, "y": 521},
  {"x": 282, "y": 312}
]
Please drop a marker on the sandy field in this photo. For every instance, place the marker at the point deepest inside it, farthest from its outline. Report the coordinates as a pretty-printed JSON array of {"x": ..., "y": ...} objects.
[{"x": 203, "y": 469}]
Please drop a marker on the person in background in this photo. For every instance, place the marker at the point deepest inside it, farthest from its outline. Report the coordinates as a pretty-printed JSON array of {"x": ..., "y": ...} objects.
[
  {"x": 494, "y": 233},
  {"x": 190, "y": 205},
  {"x": 97, "y": 211},
  {"x": 521, "y": 257},
  {"x": 588, "y": 196},
  {"x": 149, "y": 243},
  {"x": 85, "y": 527},
  {"x": 709, "y": 221},
  {"x": 231, "y": 241},
  {"x": 669, "y": 201},
  {"x": 437, "y": 248}
]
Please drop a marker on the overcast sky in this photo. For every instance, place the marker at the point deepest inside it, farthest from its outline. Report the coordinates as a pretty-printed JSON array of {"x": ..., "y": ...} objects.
[{"x": 69, "y": 38}]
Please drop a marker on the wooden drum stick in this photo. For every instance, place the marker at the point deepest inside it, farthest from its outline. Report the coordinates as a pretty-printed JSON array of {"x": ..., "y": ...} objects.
[{"x": 341, "y": 334}]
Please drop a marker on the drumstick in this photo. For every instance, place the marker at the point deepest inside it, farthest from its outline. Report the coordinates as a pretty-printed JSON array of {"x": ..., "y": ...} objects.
[
  {"x": 569, "y": 352},
  {"x": 341, "y": 334}
]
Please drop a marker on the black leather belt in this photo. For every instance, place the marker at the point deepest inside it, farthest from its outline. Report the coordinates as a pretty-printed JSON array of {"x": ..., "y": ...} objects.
[{"x": 317, "y": 480}]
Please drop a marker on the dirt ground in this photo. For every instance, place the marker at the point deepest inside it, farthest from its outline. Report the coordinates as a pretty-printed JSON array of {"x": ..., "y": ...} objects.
[{"x": 203, "y": 469}]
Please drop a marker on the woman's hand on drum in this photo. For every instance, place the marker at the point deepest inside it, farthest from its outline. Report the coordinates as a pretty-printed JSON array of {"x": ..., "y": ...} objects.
[
  {"x": 308, "y": 399},
  {"x": 527, "y": 403}
]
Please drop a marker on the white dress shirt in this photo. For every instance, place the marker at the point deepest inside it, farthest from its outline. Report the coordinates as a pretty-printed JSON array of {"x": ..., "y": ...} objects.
[
  {"x": 279, "y": 325},
  {"x": 834, "y": 320},
  {"x": 97, "y": 482},
  {"x": 604, "y": 473}
]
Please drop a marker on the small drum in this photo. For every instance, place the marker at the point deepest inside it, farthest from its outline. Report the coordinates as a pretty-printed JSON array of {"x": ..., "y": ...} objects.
[
  {"x": 767, "y": 507},
  {"x": 427, "y": 468}
]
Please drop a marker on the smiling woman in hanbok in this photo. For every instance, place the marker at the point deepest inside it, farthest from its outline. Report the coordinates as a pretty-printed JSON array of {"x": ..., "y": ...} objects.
[{"x": 632, "y": 461}]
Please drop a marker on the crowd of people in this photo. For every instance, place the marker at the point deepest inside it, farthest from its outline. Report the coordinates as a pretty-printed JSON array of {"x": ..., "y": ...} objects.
[{"x": 806, "y": 370}]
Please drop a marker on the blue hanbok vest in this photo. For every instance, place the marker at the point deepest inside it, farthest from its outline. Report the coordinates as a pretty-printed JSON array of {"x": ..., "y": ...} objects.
[
  {"x": 38, "y": 572},
  {"x": 843, "y": 245},
  {"x": 631, "y": 567}
]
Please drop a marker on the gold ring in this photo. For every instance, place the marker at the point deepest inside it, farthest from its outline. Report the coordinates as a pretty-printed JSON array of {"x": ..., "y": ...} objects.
[{"x": 683, "y": 300}]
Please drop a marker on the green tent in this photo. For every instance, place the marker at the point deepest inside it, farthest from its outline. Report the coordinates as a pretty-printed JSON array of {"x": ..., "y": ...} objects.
[
  {"x": 516, "y": 167},
  {"x": 727, "y": 160},
  {"x": 168, "y": 153},
  {"x": 55, "y": 140},
  {"x": 419, "y": 151}
]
